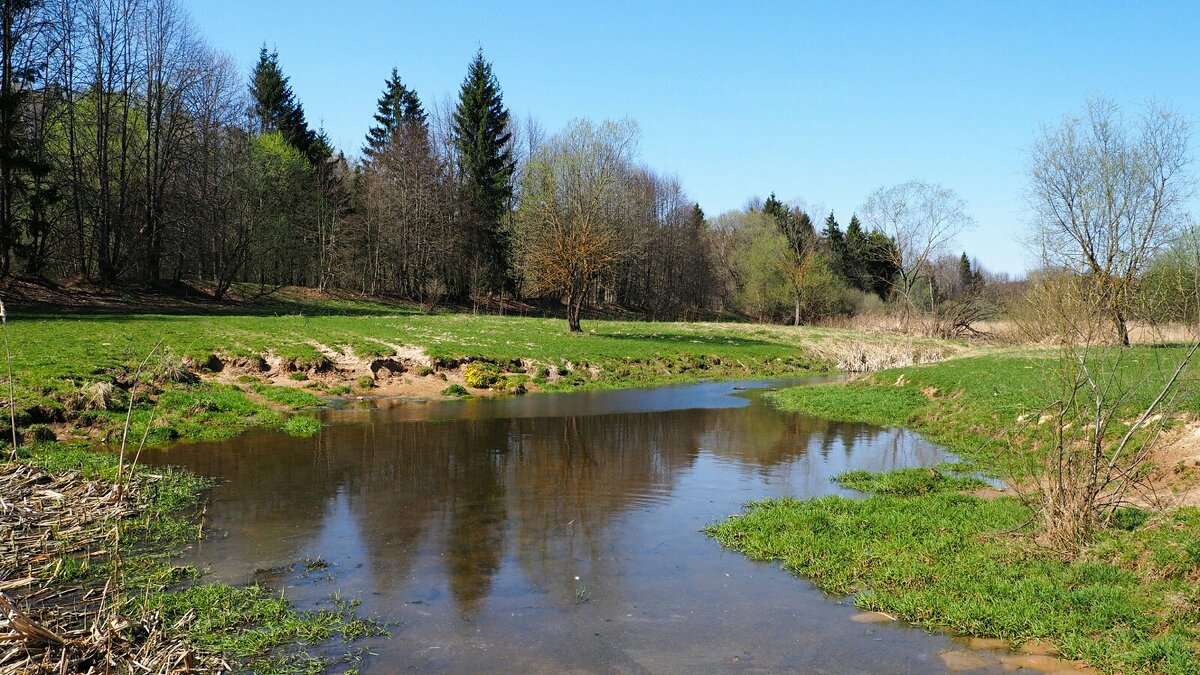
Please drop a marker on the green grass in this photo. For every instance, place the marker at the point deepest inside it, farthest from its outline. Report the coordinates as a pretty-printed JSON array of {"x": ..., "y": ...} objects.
[
  {"x": 942, "y": 561},
  {"x": 288, "y": 396},
  {"x": 924, "y": 552},
  {"x": 908, "y": 482},
  {"x": 302, "y": 425},
  {"x": 985, "y": 408},
  {"x": 59, "y": 359},
  {"x": 263, "y": 631}
]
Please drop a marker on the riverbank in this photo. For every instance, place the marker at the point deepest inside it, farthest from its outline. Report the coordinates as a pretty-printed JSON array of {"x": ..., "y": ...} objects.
[
  {"x": 89, "y": 560},
  {"x": 931, "y": 550},
  {"x": 77, "y": 378},
  {"x": 206, "y": 377}
]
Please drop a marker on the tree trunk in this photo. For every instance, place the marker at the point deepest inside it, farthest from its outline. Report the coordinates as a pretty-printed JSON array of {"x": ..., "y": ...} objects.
[
  {"x": 574, "y": 305},
  {"x": 1122, "y": 328},
  {"x": 797, "y": 323}
]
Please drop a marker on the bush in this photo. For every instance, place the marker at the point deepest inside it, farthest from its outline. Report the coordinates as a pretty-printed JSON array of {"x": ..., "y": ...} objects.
[
  {"x": 481, "y": 375},
  {"x": 510, "y": 385},
  {"x": 424, "y": 371},
  {"x": 456, "y": 390},
  {"x": 339, "y": 390},
  {"x": 366, "y": 382},
  {"x": 299, "y": 377}
]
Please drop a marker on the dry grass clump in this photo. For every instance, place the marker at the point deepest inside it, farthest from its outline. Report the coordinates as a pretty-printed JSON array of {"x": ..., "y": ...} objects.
[
  {"x": 865, "y": 357},
  {"x": 53, "y": 527}
]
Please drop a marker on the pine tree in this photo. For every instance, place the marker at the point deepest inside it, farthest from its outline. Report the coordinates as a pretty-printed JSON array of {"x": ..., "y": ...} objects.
[
  {"x": 397, "y": 106},
  {"x": 483, "y": 141},
  {"x": 277, "y": 109}
]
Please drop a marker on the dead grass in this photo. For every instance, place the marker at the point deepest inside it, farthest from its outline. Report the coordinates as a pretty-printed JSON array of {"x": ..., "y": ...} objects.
[{"x": 54, "y": 530}]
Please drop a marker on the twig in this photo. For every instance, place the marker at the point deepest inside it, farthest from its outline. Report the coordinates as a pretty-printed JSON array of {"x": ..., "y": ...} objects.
[
  {"x": 12, "y": 398},
  {"x": 129, "y": 415}
]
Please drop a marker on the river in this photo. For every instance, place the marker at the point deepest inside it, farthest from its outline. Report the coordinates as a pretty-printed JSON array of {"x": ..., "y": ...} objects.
[{"x": 554, "y": 533}]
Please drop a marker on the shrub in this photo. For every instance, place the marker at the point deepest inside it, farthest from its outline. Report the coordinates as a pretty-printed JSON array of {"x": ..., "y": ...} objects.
[
  {"x": 424, "y": 371},
  {"x": 366, "y": 382},
  {"x": 481, "y": 375},
  {"x": 339, "y": 390},
  {"x": 299, "y": 376},
  {"x": 456, "y": 390}
]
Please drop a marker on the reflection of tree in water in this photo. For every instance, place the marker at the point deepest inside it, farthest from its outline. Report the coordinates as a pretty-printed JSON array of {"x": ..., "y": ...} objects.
[
  {"x": 570, "y": 476},
  {"x": 426, "y": 498}
]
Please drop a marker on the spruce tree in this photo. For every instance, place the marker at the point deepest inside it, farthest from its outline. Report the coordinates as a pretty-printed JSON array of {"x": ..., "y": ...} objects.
[
  {"x": 397, "y": 106},
  {"x": 837, "y": 248},
  {"x": 483, "y": 141},
  {"x": 277, "y": 109}
]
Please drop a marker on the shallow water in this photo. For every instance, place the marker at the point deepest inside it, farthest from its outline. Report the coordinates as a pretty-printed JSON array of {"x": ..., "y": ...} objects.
[{"x": 555, "y": 533}]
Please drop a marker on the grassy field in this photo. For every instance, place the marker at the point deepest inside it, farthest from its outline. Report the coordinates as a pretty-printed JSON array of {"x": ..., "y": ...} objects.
[
  {"x": 75, "y": 372},
  {"x": 921, "y": 548}
]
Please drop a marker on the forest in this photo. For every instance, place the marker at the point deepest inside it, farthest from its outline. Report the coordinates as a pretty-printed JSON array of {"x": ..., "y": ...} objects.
[{"x": 135, "y": 154}]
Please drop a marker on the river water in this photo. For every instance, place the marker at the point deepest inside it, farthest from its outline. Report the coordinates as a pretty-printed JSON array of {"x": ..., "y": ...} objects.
[{"x": 554, "y": 533}]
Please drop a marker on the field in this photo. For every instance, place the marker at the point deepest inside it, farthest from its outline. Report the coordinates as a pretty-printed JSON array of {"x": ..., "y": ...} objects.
[{"x": 206, "y": 376}]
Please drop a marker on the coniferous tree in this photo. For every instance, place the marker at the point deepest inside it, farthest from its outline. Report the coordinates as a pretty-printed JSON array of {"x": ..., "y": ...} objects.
[
  {"x": 277, "y": 109},
  {"x": 398, "y": 105},
  {"x": 483, "y": 141},
  {"x": 837, "y": 248}
]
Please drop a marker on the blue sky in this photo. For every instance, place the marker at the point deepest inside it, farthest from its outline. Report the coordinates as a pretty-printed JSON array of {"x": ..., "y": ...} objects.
[{"x": 818, "y": 101}]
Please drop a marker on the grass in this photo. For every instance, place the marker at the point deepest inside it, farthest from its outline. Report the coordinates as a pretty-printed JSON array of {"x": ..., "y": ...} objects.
[
  {"x": 288, "y": 396},
  {"x": 260, "y": 629},
  {"x": 940, "y": 560},
  {"x": 982, "y": 407},
  {"x": 59, "y": 361},
  {"x": 921, "y": 550},
  {"x": 908, "y": 482}
]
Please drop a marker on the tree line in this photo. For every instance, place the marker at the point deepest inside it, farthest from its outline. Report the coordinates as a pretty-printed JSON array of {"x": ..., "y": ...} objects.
[{"x": 133, "y": 152}]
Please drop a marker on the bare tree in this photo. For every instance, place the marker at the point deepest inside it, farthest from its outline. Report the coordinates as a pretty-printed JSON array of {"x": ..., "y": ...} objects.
[
  {"x": 1107, "y": 196},
  {"x": 573, "y": 206},
  {"x": 921, "y": 219}
]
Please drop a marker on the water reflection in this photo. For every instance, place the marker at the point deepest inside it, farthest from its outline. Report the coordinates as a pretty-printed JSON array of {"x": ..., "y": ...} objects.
[{"x": 555, "y": 531}]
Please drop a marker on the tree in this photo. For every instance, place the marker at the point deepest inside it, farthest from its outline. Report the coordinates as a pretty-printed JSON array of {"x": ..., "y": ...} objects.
[
  {"x": 482, "y": 140},
  {"x": 920, "y": 219},
  {"x": 573, "y": 207},
  {"x": 800, "y": 245},
  {"x": 1107, "y": 196},
  {"x": 398, "y": 105},
  {"x": 277, "y": 109},
  {"x": 22, "y": 192}
]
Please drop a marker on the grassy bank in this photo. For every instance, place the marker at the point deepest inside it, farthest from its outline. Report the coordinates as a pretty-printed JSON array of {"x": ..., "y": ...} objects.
[
  {"x": 922, "y": 550},
  {"x": 99, "y": 571},
  {"x": 213, "y": 376}
]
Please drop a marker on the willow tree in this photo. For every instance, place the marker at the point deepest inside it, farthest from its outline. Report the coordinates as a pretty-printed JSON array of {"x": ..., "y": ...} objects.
[
  {"x": 1107, "y": 196},
  {"x": 570, "y": 226}
]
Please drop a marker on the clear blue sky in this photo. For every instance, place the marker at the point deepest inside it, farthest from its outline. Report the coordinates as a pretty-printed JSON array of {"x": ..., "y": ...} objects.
[{"x": 819, "y": 101}]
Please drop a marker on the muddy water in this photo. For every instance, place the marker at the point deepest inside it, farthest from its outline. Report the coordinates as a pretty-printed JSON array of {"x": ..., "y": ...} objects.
[{"x": 555, "y": 533}]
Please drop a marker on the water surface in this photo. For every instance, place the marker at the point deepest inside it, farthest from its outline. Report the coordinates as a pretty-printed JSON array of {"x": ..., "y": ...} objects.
[{"x": 555, "y": 533}]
